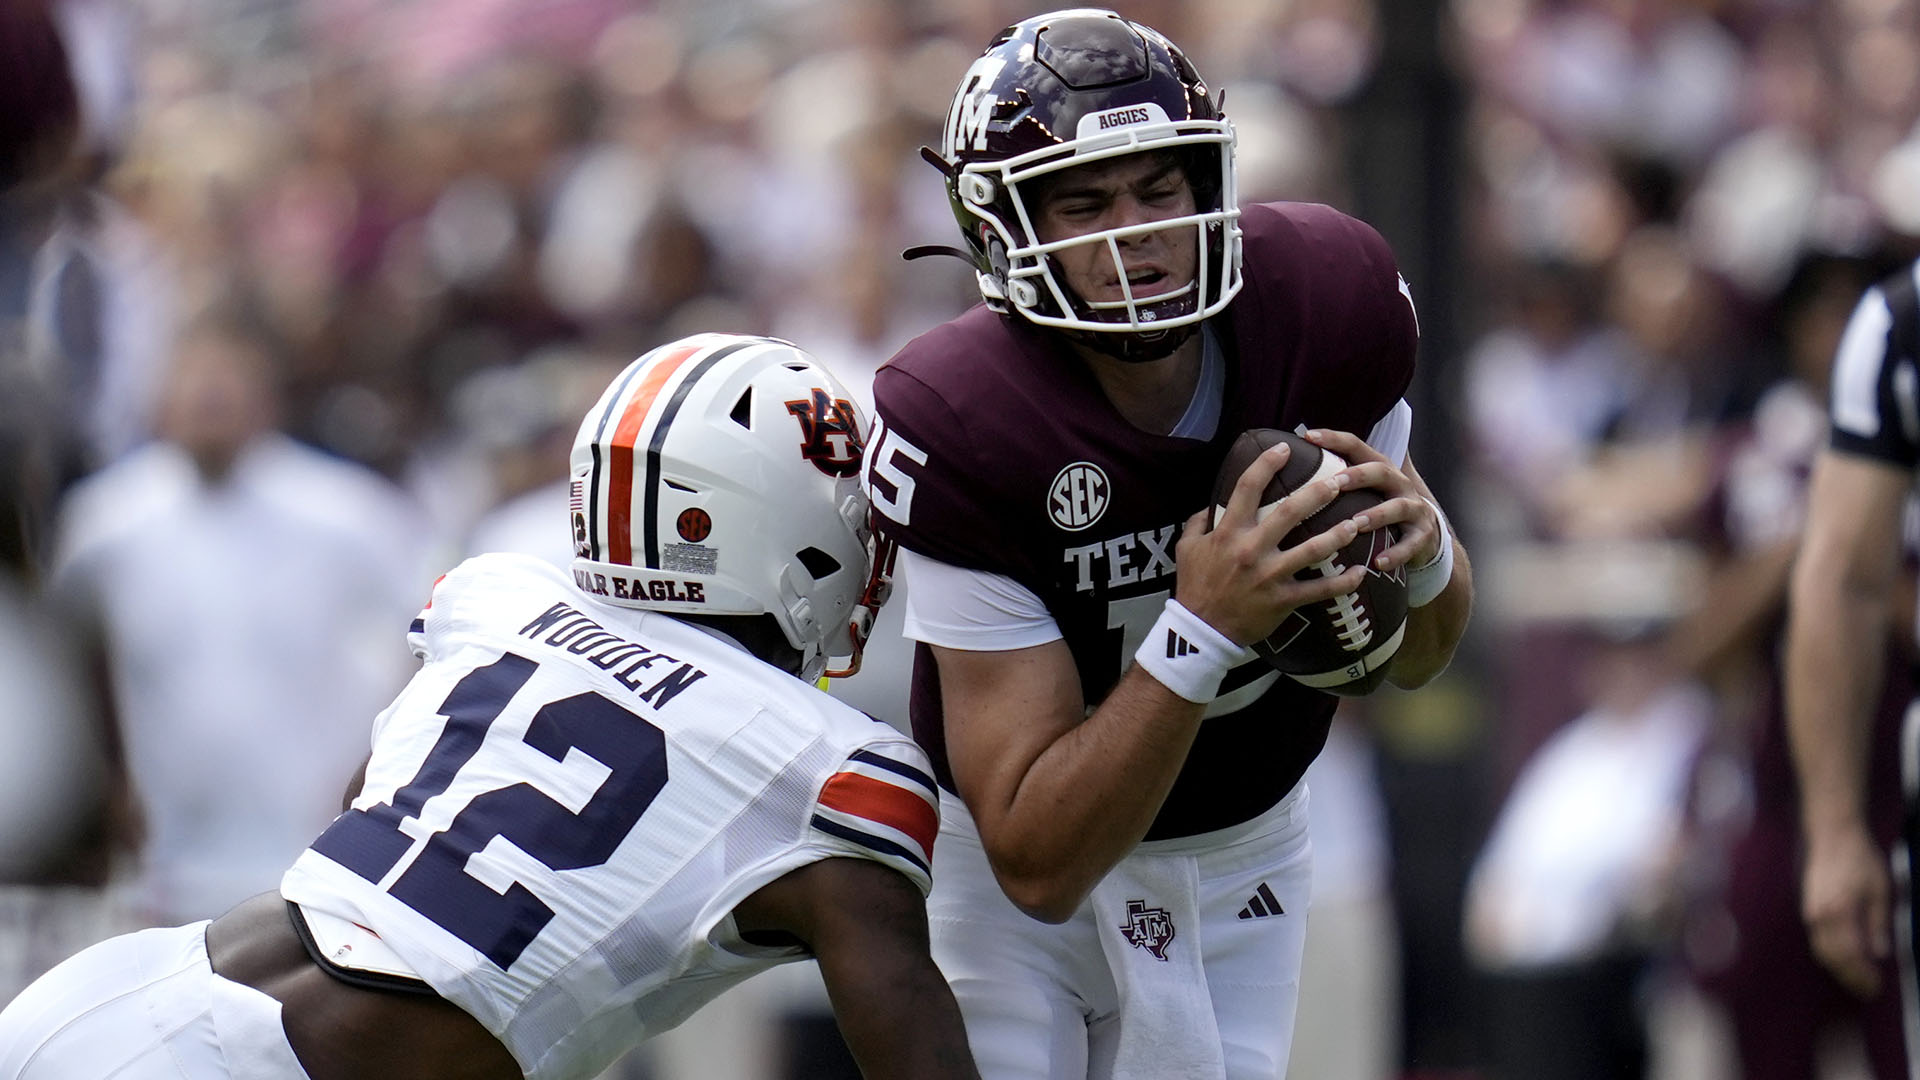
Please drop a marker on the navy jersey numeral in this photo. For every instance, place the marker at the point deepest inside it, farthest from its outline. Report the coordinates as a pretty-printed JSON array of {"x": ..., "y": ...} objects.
[{"x": 436, "y": 884}]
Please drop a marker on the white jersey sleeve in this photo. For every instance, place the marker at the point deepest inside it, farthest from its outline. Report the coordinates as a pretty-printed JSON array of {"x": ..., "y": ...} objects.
[
  {"x": 978, "y": 610},
  {"x": 1393, "y": 435},
  {"x": 882, "y": 804}
]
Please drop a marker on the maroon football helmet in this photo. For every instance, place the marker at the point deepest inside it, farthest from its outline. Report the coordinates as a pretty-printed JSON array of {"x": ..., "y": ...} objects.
[{"x": 1071, "y": 88}]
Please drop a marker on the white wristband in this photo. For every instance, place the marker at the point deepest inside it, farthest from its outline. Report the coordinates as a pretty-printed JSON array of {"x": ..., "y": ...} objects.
[
  {"x": 1188, "y": 655},
  {"x": 1426, "y": 582}
]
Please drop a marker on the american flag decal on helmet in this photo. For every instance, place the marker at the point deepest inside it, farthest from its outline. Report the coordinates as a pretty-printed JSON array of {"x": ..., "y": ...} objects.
[{"x": 883, "y": 804}]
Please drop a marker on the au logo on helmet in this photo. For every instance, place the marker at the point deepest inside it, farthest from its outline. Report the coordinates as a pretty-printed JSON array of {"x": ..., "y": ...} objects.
[{"x": 829, "y": 434}]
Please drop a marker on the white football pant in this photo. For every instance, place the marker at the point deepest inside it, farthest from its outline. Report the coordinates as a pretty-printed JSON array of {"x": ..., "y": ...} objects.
[
  {"x": 1042, "y": 1002},
  {"x": 144, "y": 1006}
]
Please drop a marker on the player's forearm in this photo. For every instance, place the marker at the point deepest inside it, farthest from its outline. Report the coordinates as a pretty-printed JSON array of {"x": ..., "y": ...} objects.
[
  {"x": 1434, "y": 629},
  {"x": 1090, "y": 797},
  {"x": 1834, "y": 656},
  {"x": 901, "y": 1022}
]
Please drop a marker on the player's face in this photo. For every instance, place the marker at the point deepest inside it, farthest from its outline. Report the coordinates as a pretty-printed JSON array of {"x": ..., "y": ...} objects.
[{"x": 1133, "y": 190}]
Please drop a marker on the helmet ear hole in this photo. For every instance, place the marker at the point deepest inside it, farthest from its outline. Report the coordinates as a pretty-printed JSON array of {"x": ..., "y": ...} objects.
[{"x": 818, "y": 563}]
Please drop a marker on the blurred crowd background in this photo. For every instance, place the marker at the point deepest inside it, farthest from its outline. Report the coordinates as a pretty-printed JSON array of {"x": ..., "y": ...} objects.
[{"x": 310, "y": 305}]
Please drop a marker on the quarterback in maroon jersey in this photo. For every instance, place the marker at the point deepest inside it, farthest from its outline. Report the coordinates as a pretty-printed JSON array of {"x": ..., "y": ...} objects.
[{"x": 1113, "y": 759}]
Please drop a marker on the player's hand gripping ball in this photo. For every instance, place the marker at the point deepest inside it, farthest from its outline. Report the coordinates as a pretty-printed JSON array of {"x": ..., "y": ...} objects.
[{"x": 1342, "y": 645}]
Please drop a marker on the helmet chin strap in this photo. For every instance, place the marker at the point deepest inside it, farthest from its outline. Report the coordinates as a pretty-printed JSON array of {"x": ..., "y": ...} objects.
[{"x": 1133, "y": 347}]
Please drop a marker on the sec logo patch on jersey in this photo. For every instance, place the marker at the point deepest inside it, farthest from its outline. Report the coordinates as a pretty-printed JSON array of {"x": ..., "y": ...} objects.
[{"x": 1078, "y": 496}]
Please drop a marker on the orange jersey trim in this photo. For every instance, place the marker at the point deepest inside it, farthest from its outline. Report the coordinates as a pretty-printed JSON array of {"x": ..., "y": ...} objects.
[{"x": 883, "y": 803}]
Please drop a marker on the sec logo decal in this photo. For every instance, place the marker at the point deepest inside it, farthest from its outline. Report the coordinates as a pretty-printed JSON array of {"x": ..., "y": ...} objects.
[
  {"x": 694, "y": 525},
  {"x": 1078, "y": 496}
]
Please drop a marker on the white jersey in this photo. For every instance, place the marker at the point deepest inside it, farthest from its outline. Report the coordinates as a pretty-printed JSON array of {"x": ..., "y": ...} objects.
[{"x": 568, "y": 800}]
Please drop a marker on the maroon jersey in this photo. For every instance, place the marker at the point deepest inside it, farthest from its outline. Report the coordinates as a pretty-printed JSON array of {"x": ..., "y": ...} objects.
[{"x": 1001, "y": 453}]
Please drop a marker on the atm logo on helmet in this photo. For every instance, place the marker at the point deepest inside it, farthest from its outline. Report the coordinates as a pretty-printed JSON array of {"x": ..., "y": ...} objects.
[{"x": 829, "y": 435}]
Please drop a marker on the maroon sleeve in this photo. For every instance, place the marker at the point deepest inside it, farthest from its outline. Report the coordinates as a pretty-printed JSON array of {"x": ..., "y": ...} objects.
[
  {"x": 1321, "y": 321},
  {"x": 932, "y": 490},
  {"x": 1389, "y": 328}
]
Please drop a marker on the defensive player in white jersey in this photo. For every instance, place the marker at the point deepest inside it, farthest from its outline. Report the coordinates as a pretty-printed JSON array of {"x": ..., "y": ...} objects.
[{"x": 603, "y": 799}]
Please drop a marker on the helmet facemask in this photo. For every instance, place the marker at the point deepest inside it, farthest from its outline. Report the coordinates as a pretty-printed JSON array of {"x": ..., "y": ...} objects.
[
  {"x": 873, "y": 597},
  {"x": 1034, "y": 283}
]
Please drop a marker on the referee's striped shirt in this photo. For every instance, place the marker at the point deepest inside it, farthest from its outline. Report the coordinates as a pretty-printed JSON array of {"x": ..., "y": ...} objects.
[{"x": 1876, "y": 384}]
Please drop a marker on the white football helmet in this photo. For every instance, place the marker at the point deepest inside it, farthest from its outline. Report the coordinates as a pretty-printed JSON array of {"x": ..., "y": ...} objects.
[{"x": 720, "y": 475}]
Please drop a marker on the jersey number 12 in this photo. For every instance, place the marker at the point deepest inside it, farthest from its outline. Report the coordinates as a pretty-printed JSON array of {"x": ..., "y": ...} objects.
[{"x": 436, "y": 883}]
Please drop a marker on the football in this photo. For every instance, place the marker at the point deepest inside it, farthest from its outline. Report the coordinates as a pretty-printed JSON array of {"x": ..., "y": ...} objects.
[{"x": 1340, "y": 646}]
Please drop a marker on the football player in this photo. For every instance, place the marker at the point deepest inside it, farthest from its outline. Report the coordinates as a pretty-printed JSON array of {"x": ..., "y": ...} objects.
[
  {"x": 1124, "y": 861},
  {"x": 1840, "y": 610},
  {"x": 605, "y": 797}
]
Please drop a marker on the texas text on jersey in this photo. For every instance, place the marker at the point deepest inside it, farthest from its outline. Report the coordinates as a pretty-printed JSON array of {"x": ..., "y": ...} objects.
[
  {"x": 1049, "y": 489},
  {"x": 543, "y": 744}
]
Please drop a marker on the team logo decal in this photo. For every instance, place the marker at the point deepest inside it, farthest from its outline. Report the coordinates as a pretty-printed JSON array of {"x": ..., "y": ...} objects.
[
  {"x": 694, "y": 524},
  {"x": 1092, "y": 124},
  {"x": 828, "y": 435},
  {"x": 972, "y": 111},
  {"x": 1148, "y": 928},
  {"x": 1078, "y": 496}
]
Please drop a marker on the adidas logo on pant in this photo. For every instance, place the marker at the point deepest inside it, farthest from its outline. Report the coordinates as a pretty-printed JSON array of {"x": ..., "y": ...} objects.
[{"x": 1262, "y": 905}]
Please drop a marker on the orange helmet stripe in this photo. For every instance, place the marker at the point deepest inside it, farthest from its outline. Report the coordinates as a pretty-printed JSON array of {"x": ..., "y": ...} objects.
[{"x": 620, "y": 454}]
